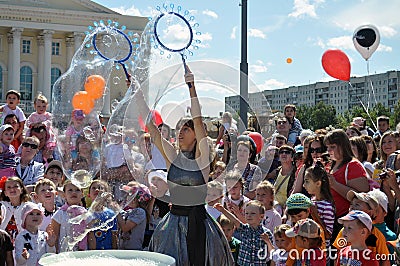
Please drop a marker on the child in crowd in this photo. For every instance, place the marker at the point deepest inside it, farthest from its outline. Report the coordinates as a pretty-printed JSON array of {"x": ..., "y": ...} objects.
[
  {"x": 45, "y": 193},
  {"x": 295, "y": 125},
  {"x": 357, "y": 226},
  {"x": 12, "y": 120},
  {"x": 234, "y": 199},
  {"x": 215, "y": 193},
  {"x": 6, "y": 247},
  {"x": 219, "y": 168},
  {"x": 228, "y": 227},
  {"x": 300, "y": 207},
  {"x": 54, "y": 172},
  {"x": 307, "y": 234},
  {"x": 60, "y": 226},
  {"x": 132, "y": 222},
  {"x": 284, "y": 245},
  {"x": 31, "y": 243},
  {"x": 13, "y": 98},
  {"x": 106, "y": 236},
  {"x": 13, "y": 197},
  {"x": 74, "y": 130},
  {"x": 368, "y": 204},
  {"x": 7, "y": 152},
  {"x": 265, "y": 193},
  {"x": 41, "y": 116},
  {"x": 256, "y": 240},
  {"x": 380, "y": 215},
  {"x": 316, "y": 182}
]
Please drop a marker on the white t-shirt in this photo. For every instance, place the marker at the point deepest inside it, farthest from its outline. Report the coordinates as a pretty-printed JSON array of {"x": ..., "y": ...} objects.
[{"x": 114, "y": 154}]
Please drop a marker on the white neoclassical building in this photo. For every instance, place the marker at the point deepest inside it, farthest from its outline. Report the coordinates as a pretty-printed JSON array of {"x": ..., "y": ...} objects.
[{"x": 38, "y": 39}]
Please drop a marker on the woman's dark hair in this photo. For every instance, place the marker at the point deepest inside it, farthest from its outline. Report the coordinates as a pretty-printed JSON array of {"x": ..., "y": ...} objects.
[
  {"x": 318, "y": 173},
  {"x": 375, "y": 152},
  {"x": 339, "y": 137},
  {"x": 185, "y": 121},
  {"x": 361, "y": 147},
  {"x": 309, "y": 160}
]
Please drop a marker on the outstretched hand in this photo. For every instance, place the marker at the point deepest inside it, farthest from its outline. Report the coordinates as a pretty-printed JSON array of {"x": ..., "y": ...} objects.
[{"x": 189, "y": 77}]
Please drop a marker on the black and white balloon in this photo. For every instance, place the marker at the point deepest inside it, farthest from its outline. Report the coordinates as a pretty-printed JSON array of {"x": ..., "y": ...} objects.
[{"x": 366, "y": 40}]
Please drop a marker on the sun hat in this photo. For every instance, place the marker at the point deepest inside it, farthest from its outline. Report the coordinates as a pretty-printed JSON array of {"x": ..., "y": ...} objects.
[{"x": 306, "y": 228}]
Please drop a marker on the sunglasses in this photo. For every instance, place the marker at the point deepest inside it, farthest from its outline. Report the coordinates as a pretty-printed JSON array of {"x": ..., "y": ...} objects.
[
  {"x": 317, "y": 150},
  {"x": 285, "y": 152},
  {"x": 39, "y": 129},
  {"x": 26, "y": 145},
  {"x": 368, "y": 141},
  {"x": 281, "y": 122}
]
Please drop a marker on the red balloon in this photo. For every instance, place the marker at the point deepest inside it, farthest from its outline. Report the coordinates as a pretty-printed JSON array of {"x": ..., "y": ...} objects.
[
  {"x": 336, "y": 64},
  {"x": 156, "y": 118},
  {"x": 258, "y": 140}
]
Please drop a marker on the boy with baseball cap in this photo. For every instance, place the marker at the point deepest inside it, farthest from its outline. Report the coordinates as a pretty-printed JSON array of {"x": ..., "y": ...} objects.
[
  {"x": 307, "y": 234},
  {"x": 357, "y": 226},
  {"x": 368, "y": 204}
]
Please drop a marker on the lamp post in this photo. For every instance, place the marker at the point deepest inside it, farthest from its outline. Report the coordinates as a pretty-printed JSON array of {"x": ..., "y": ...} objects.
[{"x": 244, "y": 82}]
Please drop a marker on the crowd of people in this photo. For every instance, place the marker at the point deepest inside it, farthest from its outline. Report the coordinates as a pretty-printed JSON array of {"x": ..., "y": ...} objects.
[{"x": 322, "y": 197}]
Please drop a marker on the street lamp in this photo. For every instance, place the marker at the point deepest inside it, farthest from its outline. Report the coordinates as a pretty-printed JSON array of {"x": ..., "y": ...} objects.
[{"x": 244, "y": 69}]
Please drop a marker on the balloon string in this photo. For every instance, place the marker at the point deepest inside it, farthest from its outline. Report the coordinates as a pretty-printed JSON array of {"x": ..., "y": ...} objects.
[{"x": 365, "y": 109}]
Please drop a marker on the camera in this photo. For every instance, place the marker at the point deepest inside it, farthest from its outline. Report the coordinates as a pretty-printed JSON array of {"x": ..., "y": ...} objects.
[{"x": 384, "y": 174}]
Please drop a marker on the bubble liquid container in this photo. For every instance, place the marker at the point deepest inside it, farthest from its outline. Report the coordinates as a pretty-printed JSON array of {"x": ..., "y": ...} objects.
[{"x": 107, "y": 258}]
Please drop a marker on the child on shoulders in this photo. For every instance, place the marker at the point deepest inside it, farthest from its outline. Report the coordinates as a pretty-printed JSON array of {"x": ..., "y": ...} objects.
[{"x": 13, "y": 98}]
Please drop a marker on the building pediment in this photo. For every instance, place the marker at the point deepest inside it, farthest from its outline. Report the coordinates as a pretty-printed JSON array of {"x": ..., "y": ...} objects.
[{"x": 70, "y": 5}]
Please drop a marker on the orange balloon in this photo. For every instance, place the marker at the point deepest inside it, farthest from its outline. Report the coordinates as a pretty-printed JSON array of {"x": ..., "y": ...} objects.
[
  {"x": 95, "y": 85},
  {"x": 82, "y": 100},
  {"x": 289, "y": 60}
]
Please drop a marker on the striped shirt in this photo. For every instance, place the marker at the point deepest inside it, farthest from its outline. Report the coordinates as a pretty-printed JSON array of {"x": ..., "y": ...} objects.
[
  {"x": 7, "y": 157},
  {"x": 326, "y": 212}
]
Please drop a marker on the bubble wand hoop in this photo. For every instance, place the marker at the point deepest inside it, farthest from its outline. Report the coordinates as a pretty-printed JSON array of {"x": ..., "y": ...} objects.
[{"x": 116, "y": 46}]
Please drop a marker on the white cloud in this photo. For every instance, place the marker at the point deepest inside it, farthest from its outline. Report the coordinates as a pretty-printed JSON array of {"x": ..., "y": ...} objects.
[
  {"x": 233, "y": 33},
  {"x": 271, "y": 84},
  {"x": 256, "y": 33},
  {"x": 259, "y": 67},
  {"x": 210, "y": 13},
  {"x": 384, "y": 48},
  {"x": 133, "y": 11},
  {"x": 204, "y": 38},
  {"x": 384, "y": 15},
  {"x": 387, "y": 31},
  {"x": 342, "y": 42},
  {"x": 303, "y": 8}
]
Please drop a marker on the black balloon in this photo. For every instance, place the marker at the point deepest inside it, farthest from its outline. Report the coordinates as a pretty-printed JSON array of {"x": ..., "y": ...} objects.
[{"x": 365, "y": 37}]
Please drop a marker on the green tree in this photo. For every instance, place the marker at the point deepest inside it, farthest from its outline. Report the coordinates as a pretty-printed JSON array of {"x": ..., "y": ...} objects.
[
  {"x": 323, "y": 115},
  {"x": 395, "y": 118},
  {"x": 303, "y": 113}
]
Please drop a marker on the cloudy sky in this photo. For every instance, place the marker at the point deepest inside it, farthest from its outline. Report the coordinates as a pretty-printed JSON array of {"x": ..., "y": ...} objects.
[{"x": 277, "y": 30}]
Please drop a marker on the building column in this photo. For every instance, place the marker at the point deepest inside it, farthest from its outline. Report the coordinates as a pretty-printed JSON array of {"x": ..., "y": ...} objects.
[
  {"x": 78, "y": 39},
  {"x": 106, "y": 111},
  {"x": 48, "y": 37},
  {"x": 70, "y": 49},
  {"x": 10, "y": 61},
  {"x": 16, "y": 58},
  {"x": 40, "y": 41}
]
